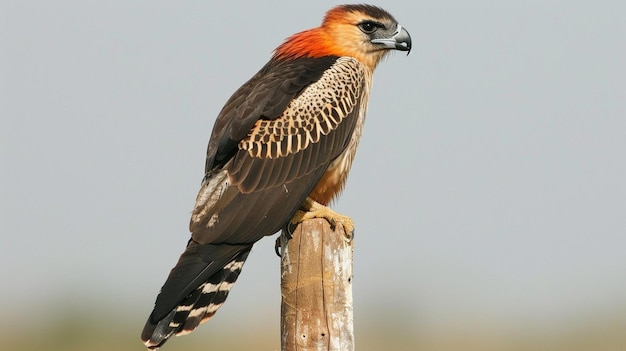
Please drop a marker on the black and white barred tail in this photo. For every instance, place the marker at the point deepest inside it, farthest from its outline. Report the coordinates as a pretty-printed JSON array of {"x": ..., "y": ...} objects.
[{"x": 193, "y": 292}]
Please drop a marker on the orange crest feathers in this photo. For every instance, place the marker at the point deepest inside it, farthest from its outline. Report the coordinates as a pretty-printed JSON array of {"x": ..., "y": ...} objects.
[
  {"x": 338, "y": 35},
  {"x": 310, "y": 43},
  {"x": 316, "y": 42}
]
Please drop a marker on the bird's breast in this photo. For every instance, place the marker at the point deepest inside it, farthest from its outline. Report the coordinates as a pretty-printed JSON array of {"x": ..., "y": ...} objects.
[{"x": 334, "y": 179}]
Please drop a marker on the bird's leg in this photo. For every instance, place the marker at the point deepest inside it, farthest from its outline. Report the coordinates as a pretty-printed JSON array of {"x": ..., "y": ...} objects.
[{"x": 313, "y": 209}]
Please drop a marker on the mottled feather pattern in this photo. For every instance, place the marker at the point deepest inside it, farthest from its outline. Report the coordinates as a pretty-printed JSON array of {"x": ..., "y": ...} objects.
[
  {"x": 336, "y": 174},
  {"x": 264, "y": 96},
  {"x": 213, "y": 187},
  {"x": 317, "y": 111},
  {"x": 288, "y": 133}
]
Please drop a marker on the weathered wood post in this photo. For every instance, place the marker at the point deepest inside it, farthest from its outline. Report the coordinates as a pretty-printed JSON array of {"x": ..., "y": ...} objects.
[{"x": 316, "y": 287}]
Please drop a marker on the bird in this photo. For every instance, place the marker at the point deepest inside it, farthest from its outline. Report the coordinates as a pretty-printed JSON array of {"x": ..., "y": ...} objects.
[{"x": 279, "y": 153}]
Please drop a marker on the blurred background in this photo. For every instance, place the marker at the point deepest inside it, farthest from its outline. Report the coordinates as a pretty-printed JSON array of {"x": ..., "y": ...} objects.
[{"x": 488, "y": 191}]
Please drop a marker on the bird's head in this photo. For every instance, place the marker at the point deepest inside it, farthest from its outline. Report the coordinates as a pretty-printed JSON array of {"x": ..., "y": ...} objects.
[{"x": 364, "y": 32}]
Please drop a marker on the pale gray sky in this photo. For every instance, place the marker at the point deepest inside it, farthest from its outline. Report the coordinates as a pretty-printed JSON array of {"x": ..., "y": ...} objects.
[{"x": 489, "y": 182}]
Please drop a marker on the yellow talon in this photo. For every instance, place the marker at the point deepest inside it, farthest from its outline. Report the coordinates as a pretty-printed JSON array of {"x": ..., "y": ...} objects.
[{"x": 312, "y": 209}]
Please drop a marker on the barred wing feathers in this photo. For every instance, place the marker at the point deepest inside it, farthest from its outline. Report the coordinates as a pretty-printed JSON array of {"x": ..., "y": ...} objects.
[{"x": 270, "y": 146}]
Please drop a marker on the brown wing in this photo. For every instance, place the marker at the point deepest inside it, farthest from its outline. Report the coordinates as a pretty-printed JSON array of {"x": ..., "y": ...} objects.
[
  {"x": 280, "y": 160},
  {"x": 270, "y": 146},
  {"x": 264, "y": 96}
]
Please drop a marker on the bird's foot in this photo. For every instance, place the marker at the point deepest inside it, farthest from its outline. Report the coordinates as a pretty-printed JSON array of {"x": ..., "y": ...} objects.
[{"x": 312, "y": 209}]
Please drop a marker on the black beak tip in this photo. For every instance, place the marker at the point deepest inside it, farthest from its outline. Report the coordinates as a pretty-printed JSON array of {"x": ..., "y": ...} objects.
[
  {"x": 404, "y": 46},
  {"x": 404, "y": 41}
]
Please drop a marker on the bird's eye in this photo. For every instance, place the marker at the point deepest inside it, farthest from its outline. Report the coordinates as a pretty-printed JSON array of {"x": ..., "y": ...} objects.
[{"x": 368, "y": 27}]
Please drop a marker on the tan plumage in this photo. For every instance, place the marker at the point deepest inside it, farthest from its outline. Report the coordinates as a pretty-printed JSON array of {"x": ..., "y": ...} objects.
[
  {"x": 315, "y": 113},
  {"x": 287, "y": 137},
  {"x": 319, "y": 110}
]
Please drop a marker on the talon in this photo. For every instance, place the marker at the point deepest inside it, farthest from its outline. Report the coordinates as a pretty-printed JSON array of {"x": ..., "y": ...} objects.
[
  {"x": 299, "y": 216},
  {"x": 333, "y": 223},
  {"x": 288, "y": 231},
  {"x": 312, "y": 209},
  {"x": 348, "y": 227},
  {"x": 277, "y": 247}
]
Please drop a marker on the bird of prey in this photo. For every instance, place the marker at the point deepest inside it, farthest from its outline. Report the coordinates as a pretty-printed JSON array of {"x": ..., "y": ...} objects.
[{"x": 280, "y": 151}]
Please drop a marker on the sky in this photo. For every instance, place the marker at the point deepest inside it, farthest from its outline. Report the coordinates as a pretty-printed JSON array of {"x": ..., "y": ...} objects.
[{"x": 489, "y": 182}]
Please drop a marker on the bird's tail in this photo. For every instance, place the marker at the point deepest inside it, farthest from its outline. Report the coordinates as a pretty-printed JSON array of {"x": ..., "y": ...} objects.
[{"x": 196, "y": 287}]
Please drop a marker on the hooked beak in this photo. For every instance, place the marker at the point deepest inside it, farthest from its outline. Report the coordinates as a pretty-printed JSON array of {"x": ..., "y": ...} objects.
[{"x": 399, "y": 40}]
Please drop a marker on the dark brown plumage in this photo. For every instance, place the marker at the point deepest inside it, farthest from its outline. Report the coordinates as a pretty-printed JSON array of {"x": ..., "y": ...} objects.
[{"x": 287, "y": 134}]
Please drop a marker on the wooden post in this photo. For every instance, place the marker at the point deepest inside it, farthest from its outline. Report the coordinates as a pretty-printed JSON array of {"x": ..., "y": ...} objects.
[{"x": 316, "y": 287}]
